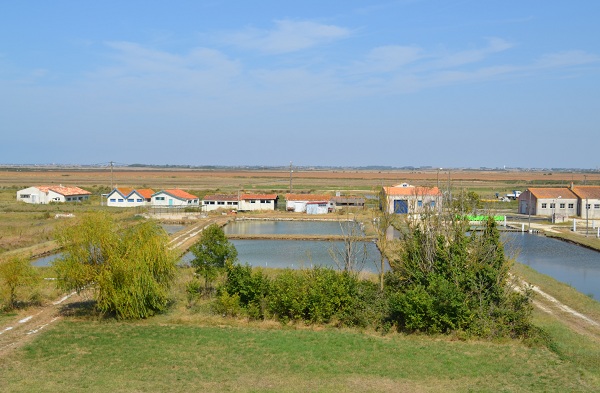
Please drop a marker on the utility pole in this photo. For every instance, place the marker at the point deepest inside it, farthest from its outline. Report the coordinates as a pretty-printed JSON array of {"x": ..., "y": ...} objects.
[
  {"x": 291, "y": 171},
  {"x": 587, "y": 207},
  {"x": 111, "y": 175},
  {"x": 529, "y": 210}
]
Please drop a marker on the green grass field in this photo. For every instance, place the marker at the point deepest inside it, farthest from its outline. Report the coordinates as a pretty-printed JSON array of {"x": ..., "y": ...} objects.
[{"x": 152, "y": 356}]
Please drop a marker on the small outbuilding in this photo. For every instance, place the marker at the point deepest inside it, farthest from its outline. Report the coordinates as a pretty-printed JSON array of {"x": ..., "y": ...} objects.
[
  {"x": 348, "y": 202},
  {"x": 298, "y": 203},
  {"x": 322, "y": 207}
]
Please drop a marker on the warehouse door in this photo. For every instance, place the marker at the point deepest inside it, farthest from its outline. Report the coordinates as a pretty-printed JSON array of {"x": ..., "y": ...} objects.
[{"x": 400, "y": 207}]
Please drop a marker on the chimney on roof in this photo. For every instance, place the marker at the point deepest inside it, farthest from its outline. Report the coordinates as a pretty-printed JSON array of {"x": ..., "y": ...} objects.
[{"x": 571, "y": 187}]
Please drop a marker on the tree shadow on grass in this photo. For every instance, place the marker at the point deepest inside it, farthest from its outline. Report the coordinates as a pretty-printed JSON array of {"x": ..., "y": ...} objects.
[{"x": 83, "y": 309}]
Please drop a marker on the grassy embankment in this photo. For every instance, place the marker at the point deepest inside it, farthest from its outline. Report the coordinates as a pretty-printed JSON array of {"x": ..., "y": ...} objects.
[{"x": 189, "y": 348}]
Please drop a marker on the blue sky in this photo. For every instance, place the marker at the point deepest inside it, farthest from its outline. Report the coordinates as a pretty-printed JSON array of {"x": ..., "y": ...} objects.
[{"x": 342, "y": 83}]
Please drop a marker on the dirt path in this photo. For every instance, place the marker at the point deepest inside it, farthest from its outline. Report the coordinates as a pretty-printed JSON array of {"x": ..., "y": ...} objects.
[
  {"x": 575, "y": 320},
  {"x": 16, "y": 332},
  {"x": 22, "y": 328}
]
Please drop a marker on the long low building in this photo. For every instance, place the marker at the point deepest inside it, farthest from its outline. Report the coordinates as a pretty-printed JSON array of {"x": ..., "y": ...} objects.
[
  {"x": 52, "y": 194},
  {"x": 220, "y": 201},
  {"x": 254, "y": 202},
  {"x": 559, "y": 203}
]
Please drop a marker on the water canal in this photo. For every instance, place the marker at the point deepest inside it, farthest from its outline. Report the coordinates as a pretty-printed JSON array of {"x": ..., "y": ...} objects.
[{"x": 565, "y": 262}]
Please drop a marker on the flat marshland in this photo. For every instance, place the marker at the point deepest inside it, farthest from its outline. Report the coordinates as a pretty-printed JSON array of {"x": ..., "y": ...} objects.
[{"x": 189, "y": 348}]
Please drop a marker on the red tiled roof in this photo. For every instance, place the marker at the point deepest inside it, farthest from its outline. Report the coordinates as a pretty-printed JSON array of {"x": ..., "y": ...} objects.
[
  {"x": 590, "y": 192},
  {"x": 177, "y": 193},
  {"x": 306, "y": 197},
  {"x": 145, "y": 192},
  {"x": 66, "y": 191},
  {"x": 258, "y": 196},
  {"x": 412, "y": 191},
  {"x": 125, "y": 191},
  {"x": 552, "y": 192},
  {"x": 220, "y": 197}
]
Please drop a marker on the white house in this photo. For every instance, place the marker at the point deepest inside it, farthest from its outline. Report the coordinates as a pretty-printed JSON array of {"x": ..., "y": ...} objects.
[
  {"x": 406, "y": 199},
  {"x": 128, "y": 197},
  {"x": 298, "y": 202},
  {"x": 253, "y": 202},
  {"x": 220, "y": 201},
  {"x": 174, "y": 198},
  {"x": 47, "y": 194}
]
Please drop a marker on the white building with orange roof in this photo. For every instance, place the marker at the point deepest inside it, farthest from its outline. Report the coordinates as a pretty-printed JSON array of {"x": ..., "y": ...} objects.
[
  {"x": 254, "y": 202},
  {"x": 407, "y": 199},
  {"x": 559, "y": 203},
  {"x": 129, "y": 197},
  {"x": 298, "y": 202},
  {"x": 174, "y": 198},
  {"x": 50, "y": 194}
]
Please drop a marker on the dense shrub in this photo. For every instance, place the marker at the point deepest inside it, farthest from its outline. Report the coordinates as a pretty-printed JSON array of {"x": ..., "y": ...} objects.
[
  {"x": 448, "y": 281},
  {"x": 317, "y": 295}
]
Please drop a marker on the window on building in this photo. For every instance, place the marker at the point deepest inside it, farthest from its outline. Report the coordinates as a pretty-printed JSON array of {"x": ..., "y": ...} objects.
[
  {"x": 264, "y": 201},
  {"x": 587, "y": 206},
  {"x": 552, "y": 205},
  {"x": 160, "y": 198},
  {"x": 543, "y": 205},
  {"x": 25, "y": 196},
  {"x": 562, "y": 205},
  {"x": 130, "y": 200},
  {"x": 113, "y": 199},
  {"x": 571, "y": 206},
  {"x": 220, "y": 203},
  {"x": 420, "y": 203},
  {"x": 140, "y": 200},
  {"x": 432, "y": 203},
  {"x": 252, "y": 201},
  {"x": 597, "y": 206}
]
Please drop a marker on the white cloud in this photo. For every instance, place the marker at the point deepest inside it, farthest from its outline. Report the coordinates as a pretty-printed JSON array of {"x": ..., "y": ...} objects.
[
  {"x": 389, "y": 58},
  {"x": 460, "y": 58},
  {"x": 287, "y": 36},
  {"x": 566, "y": 59}
]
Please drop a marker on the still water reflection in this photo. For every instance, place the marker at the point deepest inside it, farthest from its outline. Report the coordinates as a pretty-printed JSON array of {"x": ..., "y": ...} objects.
[
  {"x": 295, "y": 254},
  {"x": 565, "y": 262}
]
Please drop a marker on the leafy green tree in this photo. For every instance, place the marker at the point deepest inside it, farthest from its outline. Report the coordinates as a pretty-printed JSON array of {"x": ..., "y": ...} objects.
[
  {"x": 448, "y": 280},
  {"x": 211, "y": 252},
  {"x": 16, "y": 273},
  {"x": 130, "y": 269}
]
